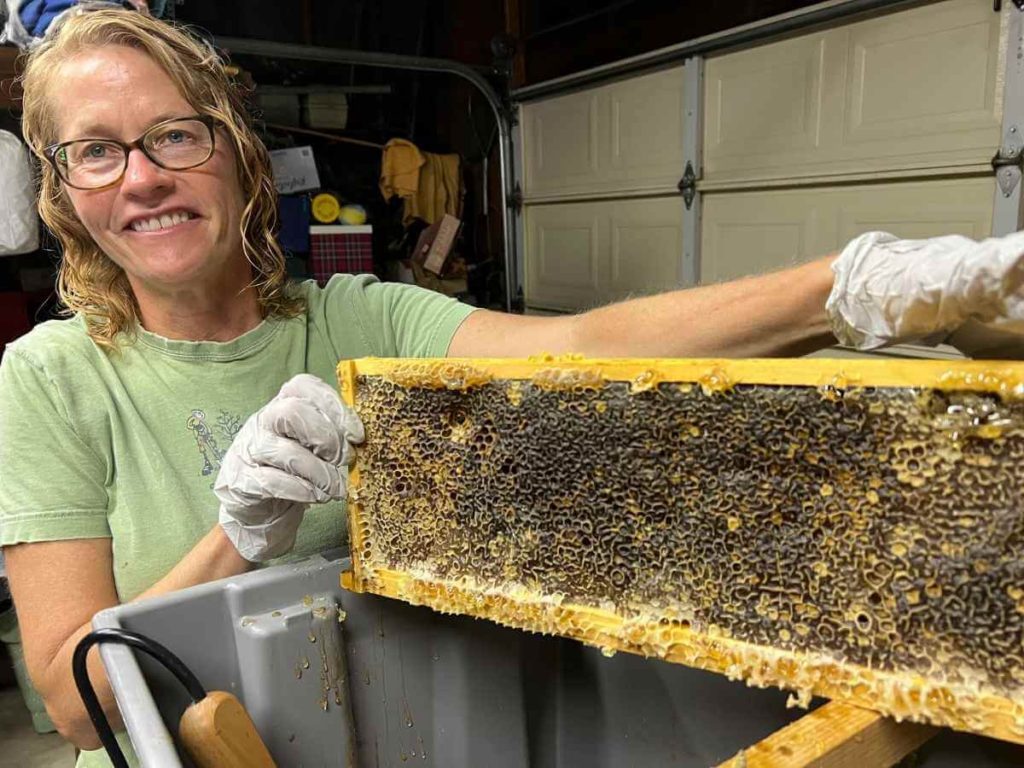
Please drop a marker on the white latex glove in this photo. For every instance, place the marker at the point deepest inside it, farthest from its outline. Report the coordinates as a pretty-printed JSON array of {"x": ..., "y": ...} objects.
[
  {"x": 289, "y": 454},
  {"x": 888, "y": 290}
]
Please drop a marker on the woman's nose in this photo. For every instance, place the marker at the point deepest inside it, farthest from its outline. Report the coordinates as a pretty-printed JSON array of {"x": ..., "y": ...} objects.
[{"x": 142, "y": 176}]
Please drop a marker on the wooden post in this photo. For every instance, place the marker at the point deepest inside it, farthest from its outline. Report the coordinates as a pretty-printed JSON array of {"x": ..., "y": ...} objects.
[{"x": 514, "y": 27}]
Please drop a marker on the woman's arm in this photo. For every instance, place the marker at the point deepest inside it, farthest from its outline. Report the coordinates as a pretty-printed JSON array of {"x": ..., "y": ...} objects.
[
  {"x": 59, "y": 585},
  {"x": 782, "y": 313}
]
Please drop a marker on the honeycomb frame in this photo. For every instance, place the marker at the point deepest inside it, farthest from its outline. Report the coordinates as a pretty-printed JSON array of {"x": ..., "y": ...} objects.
[{"x": 964, "y": 419}]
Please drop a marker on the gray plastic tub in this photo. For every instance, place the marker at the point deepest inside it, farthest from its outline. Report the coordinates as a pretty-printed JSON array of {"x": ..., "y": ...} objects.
[{"x": 396, "y": 685}]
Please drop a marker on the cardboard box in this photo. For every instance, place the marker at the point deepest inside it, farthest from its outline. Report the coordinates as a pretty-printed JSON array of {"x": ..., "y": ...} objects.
[
  {"x": 294, "y": 170},
  {"x": 435, "y": 244}
]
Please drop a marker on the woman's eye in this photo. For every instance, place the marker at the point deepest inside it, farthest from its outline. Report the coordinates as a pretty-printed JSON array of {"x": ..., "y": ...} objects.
[
  {"x": 174, "y": 136},
  {"x": 95, "y": 151}
]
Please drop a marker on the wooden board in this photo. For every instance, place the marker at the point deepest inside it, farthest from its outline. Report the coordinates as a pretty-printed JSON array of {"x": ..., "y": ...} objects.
[
  {"x": 851, "y": 529},
  {"x": 835, "y": 736}
]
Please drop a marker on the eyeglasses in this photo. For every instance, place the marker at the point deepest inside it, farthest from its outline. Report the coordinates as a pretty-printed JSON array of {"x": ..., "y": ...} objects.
[{"x": 175, "y": 145}]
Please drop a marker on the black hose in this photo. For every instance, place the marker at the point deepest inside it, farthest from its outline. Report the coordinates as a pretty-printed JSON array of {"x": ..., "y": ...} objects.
[{"x": 92, "y": 704}]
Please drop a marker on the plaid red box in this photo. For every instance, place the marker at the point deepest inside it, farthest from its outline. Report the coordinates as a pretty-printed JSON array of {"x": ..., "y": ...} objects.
[{"x": 336, "y": 248}]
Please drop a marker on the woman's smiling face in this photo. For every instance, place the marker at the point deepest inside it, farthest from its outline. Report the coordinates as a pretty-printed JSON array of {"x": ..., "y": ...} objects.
[{"x": 170, "y": 231}]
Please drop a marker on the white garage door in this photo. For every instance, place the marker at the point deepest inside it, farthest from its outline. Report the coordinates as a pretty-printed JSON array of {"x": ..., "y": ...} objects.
[
  {"x": 603, "y": 217},
  {"x": 884, "y": 123}
]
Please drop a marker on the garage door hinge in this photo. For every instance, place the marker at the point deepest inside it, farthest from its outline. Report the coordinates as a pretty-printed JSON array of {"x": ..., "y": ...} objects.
[
  {"x": 997, "y": 5},
  {"x": 688, "y": 185},
  {"x": 515, "y": 199},
  {"x": 1009, "y": 161}
]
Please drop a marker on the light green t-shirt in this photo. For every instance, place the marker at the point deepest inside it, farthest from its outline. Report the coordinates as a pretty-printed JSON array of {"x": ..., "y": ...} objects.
[{"x": 127, "y": 445}]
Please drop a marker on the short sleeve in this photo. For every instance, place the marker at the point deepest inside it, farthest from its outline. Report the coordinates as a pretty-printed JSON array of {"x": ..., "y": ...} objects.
[
  {"x": 387, "y": 319},
  {"x": 52, "y": 484}
]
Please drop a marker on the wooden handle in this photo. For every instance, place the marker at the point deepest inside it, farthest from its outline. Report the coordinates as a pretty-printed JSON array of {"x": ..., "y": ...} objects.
[{"x": 218, "y": 733}]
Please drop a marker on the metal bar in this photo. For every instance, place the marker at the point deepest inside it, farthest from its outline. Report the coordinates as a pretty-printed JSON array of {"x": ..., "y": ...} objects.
[
  {"x": 324, "y": 135},
  {"x": 513, "y": 281},
  {"x": 294, "y": 90},
  {"x": 823, "y": 13},
  {"x": 608, "y": 9},
  {"x": 517, "y": 181},
  {"x": 415, "y": 96},
  {"x": 415, "y": 63},
  {"x": 693, "y": 143},
  {"x": 1006, "y": 210}
]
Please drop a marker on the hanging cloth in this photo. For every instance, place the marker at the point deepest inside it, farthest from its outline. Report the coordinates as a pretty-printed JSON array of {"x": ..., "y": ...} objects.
[
  {"x": 38, "y": 15},
  {"x": 14, "y": 32},
  {"x": 28, "y": 20},
  {"x": 19, "y": 226},
  {"x": 430, "y": 185},
  {"x": 439, "y": 191},
  {"x": 400, "y": 169}
]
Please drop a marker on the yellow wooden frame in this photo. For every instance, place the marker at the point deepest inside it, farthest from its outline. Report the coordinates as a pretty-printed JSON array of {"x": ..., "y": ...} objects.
[{"x": 901, "y": 695}]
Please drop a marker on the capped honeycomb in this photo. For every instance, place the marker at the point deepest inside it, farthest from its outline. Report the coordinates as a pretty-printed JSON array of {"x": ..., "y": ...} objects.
[{"x": 851, "y": 529}]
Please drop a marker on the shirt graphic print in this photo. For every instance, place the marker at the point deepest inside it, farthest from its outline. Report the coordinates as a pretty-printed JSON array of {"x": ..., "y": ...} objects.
[{"x": 226, "y": 427}]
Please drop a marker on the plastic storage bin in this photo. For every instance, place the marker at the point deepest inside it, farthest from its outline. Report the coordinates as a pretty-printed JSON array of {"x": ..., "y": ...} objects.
[{"x": 409, "y": 687}]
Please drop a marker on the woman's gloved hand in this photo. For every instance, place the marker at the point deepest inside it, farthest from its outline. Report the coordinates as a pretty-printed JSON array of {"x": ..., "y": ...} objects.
[
  {"x": 888, "y": 290},
  {"x": 291, "y": 453}
]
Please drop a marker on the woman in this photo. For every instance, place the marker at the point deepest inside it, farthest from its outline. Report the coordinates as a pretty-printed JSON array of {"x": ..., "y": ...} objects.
[
  {"x": 129, "y": 430},
  {"x": 116, "y": 422}
]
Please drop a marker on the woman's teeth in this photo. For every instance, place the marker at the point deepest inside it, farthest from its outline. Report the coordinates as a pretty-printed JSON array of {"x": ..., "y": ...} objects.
[{"x": 160, "y": 222}]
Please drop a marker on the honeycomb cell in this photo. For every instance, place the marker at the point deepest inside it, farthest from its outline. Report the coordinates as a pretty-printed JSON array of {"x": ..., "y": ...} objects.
[{"x": 852, "y": 533}]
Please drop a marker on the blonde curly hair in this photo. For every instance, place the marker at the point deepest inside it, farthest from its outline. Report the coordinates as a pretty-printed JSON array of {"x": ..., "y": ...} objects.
[{"x": 88, "y": 281}]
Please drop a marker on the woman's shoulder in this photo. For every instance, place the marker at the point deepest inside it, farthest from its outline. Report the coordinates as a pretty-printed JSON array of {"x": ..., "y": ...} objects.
[
  {"x": 361, "y": 293},
  {"x": 54, "y": 342},
  {"x": 339, "y": 285}
]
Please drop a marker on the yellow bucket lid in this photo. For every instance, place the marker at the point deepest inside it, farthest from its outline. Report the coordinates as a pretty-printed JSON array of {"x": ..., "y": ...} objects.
[{"x": 326, "y": 208}]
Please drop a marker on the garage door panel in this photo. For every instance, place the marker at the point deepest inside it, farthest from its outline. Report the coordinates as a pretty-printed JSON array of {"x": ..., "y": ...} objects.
[
  {"x": 918, "y": 210},
  {"x": 919, "y": 88},
  {"x": 930, "y": 72},
  {"x": 764, "y": 103},
  {"x": 580, "y": 255},
  {"x": 562, "y": 140},
  {"x": 893, "y": 82},
  {"x": 749, "y": 233},
  {"x": 564, "y": 258},
  {"x": 621, "y": 137},
  {"x": 646, "y": 130},
  {"x": 646, "y": 246},
  {"x": 807, "y": 142}
]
